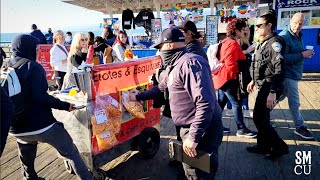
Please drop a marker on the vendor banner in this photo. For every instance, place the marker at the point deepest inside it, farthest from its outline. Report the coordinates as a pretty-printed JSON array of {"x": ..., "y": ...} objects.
[
  {"x": 296, "y": 3},
  {"x": 156, "y": 29},
  {"x": 211, "y": 30},
  {"x": 113, "y": 83},
  {"x": 113, "y": 23},
  {"x": 43, "y": 58}
]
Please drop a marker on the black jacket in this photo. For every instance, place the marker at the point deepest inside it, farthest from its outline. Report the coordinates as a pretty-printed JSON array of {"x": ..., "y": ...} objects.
[
  {"x": 39, "y": 35},
  {"x": 7, "y": 113},
  {"x": 194, "y": 46},
  {"x": 34, "y": 86},
  {"x": 100, "y": 48},
  {"x": 192, "y": 96},
  {"x": 268, "y": 62},
  {"x": 128, "y": 19},
  {"x": 144, "y": 19}
]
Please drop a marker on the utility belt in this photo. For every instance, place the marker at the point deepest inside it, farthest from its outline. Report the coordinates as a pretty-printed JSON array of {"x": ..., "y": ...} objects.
[{"x": 260, "y": 83}]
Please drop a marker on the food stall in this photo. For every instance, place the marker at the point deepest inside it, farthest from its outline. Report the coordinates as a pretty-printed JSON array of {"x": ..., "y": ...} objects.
[{"x": 110, "y": 123}]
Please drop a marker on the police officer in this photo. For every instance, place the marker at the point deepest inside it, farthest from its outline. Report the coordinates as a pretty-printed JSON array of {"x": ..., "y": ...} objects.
[
  {"x": 267, "y": 75},
  {"x": 192, "y": 99}
]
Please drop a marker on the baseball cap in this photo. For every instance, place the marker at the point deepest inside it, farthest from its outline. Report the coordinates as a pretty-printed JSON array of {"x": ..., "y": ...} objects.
[
  {"x": 33, "y": 26},
  {"x": 189, "y": 25},
  {"x": 169, "y": 35}
]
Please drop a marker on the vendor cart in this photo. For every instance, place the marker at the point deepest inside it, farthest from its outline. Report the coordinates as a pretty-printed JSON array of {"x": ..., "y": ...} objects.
[{"x": 112, "y": 79}]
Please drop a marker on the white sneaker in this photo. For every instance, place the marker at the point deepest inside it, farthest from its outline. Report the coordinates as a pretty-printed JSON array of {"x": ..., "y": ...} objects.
[
  {"x": 248, "y": 113},
  {"x": 229, "y": 113}
]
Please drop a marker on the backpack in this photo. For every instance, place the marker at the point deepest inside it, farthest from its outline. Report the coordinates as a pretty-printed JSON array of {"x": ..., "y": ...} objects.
[
  {"x": 107, "y": 55},
  {"x": 213, "y": 54},
  {"x": 11, "y": 84}
]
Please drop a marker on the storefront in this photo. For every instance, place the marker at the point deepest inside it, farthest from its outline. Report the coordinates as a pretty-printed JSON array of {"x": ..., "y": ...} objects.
[{"x": 311, "y": 29}]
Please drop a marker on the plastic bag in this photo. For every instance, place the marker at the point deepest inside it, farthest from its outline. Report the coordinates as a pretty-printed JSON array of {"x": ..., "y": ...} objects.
[
  {"x": 106, "y": 140},
  {"x": 128, "y": 54},
  {"x": 133, "y": 107},
  {"x": 112, "y": 106},
  {"x": 113, "y": 110},
  {"x": 99, "y": 121}
]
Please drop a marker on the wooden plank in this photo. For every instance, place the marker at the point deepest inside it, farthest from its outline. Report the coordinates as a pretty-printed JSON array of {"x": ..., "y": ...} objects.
[{"x": 13, "y": 170}]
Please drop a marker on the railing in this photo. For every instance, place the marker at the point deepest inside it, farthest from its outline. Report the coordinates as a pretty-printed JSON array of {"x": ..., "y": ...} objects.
[{"x": 6, "y": 46}]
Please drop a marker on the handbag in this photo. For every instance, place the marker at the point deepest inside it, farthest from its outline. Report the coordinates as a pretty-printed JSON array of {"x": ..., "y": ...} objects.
[{"x": 107, "y": 55}]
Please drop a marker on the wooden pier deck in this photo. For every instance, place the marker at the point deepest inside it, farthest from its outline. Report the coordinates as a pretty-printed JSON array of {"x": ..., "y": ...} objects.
[{"x": 235, "y": 162}]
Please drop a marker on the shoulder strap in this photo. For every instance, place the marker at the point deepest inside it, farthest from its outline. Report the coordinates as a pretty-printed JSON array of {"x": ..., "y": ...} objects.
[
  {"x": 20, "y": 63},
  {"x": 218, "y": 51},
  {"x": 63, "y": 50}
]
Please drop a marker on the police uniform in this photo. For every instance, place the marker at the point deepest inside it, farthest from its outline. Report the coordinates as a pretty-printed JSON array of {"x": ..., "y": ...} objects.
[{"x": 267, "y": 74}]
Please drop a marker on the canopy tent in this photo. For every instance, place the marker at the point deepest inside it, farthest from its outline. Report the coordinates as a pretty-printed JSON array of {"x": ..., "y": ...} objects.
[{"x": 117, "y": 6}]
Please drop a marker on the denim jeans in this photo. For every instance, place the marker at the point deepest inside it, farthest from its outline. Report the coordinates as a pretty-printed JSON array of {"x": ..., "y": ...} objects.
[
  {"x": 229, "y": 92},
  {"x": 292, "y": 92},
  {"x": 209, "y": 143},
  {"x": 245, "y": 104},
  {"x": 58, "y": 138}
]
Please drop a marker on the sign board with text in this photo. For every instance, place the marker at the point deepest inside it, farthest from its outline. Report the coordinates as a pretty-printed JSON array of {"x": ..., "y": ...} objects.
[
  {"x": 43, "y": 58},
  {"x": 287, "y": 8},
  {"x": 116, "y": 78}
]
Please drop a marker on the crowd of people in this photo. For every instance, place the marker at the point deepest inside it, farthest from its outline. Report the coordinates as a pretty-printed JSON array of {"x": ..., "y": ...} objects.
[
  {"x": 84, "y": 48},
  {"x": 273, "y": 66},
  {"x": 185, "y": 77}
]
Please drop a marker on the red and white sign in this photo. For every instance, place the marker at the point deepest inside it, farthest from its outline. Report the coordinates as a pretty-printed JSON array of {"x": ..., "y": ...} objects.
[
  {"x": 43, "y": 58},
  {"x": 117, "y": 77}
]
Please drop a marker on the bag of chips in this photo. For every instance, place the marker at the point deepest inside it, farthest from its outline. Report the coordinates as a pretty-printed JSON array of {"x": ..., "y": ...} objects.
[
  {"x": 99, "y": 121},
  {"x": 112, "y": 106},
  {"x": 106, "y": 140},
  {"x": 113, "y": 110},
  {"x": 133, "y": 107},
  {"x": 128, "y": 54}
]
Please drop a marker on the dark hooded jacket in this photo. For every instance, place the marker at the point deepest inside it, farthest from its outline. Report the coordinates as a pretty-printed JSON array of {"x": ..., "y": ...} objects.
[
  {"x": 38, "y": 103},
  {"x": 195, "y": 47},
  {"x": 39, "y": 35}
]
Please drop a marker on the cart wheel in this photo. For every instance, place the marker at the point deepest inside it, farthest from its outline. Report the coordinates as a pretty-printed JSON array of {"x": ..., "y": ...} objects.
[
  {"x": 149, "y": 142},
  {"x": 68, "y": 166},
  {"x": 100, "y": 175}
]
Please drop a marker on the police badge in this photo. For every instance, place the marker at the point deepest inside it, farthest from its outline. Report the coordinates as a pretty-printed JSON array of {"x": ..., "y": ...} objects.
[{"x": 276, "y": 46}]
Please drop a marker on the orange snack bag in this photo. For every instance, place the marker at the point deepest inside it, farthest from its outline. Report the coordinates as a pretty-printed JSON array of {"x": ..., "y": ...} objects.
[
  {"x": 112, "y": 107},
  {"x": 99, "y": 121},
  {"x": 133, "y": 107},
  {"x": 116, "y": 126},
  {"x": 128, "y": 54},
  {"x": 106, "y": 140},
  {"x": 113, "y": 110}
]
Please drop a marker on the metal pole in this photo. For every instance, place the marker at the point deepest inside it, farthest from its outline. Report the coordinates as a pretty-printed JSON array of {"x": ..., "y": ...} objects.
[
  {"x": 212, "y": 8},
  {"x": 157, "y": 5}
]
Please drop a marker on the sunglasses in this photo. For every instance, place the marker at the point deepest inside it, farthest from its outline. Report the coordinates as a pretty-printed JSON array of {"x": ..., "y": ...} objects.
[
  {"x": 259, "y": 25},
  {"x": 86, "y": 39}
]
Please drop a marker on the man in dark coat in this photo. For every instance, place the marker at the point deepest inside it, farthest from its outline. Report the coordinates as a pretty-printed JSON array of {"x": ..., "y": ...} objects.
[
  {"x": 38, "y": 34},
  {"x": 192, "y": 35},
  {"x": 36, "y": 123}
]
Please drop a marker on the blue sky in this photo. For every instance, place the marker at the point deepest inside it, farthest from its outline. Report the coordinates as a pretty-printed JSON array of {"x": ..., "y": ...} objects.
[{"x": 18, "y": 15}]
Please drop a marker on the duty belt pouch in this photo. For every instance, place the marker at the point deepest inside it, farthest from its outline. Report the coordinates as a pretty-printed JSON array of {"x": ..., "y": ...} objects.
[
  {"x": 202, "y": 161},
  {"x": 158, "y": 101}
]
